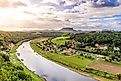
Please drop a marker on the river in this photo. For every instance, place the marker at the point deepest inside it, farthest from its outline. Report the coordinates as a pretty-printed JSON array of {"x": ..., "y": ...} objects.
[{"x": 46, "y": 68}]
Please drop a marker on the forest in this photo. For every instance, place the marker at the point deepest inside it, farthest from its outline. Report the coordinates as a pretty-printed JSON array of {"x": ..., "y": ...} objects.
[
  {"x": 110, "y": 39},
  {"x": 109, "y": 43}
]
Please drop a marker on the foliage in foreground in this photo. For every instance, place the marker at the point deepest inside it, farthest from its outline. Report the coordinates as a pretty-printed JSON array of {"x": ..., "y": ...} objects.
[{"x": 11, "y": 72}]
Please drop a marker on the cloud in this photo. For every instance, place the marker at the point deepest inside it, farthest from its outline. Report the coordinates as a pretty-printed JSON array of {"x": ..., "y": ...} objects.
[
  {"x": 13, "y": 3},
  {"x": 35, "y": 1},
  {"x": 55, "y": 14}
]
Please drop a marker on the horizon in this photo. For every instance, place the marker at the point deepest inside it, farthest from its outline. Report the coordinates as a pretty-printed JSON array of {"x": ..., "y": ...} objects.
[
  {"x": 28, "y": 15},
  {"x": 58, "y": 30}
]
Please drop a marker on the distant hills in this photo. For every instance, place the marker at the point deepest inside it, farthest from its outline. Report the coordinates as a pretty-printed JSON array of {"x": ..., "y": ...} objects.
[
  {"x": 69, "y": 30},
  {"x": 63, "y": 30}
]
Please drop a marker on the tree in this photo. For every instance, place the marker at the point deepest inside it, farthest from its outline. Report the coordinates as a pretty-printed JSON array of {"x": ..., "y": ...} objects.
[{"x": 119, "y": 76}]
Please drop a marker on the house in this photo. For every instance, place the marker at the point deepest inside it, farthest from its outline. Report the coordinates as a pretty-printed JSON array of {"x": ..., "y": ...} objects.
[
  {"x": 69, "y": 51},
  {"x": 102, "y": 47},
  {"x": 116, "y": 48}
]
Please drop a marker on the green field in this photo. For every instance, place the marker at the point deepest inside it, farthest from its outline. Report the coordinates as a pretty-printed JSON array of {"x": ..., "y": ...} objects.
[{"x": 61, "y": 40}]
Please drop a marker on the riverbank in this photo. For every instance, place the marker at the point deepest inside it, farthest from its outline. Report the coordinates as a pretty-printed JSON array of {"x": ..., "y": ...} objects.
[
  {"x": 57, "y": 58},
  {"x": 16, "y": 61}
]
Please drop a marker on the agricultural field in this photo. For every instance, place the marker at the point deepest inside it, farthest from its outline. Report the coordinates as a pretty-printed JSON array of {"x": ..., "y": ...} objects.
[
  {"x": 61, "y": 40},
  {"x": 106, "y": 66}
]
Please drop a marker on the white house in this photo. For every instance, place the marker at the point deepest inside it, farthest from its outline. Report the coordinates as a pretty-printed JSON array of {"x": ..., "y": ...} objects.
[{"x": 116, "y": 48}]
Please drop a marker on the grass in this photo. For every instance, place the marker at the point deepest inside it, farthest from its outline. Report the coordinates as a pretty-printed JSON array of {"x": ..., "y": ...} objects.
[
  {"x": 61, "y": 40},
  {"x": 16, "y": 61}
]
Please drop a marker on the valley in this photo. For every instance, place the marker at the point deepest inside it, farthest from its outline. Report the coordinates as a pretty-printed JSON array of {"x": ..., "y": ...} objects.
[{"x": 87, "y": 54}]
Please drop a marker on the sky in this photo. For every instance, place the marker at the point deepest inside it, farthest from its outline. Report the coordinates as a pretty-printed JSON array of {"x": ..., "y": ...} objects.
[{"x": 18, "y": 15}]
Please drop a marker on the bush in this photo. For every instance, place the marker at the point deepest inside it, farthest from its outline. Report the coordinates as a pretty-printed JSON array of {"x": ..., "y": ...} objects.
[
  {"x": 5, "y": 57},
  {"x": 20, "y": 68},
  {"x": 22, "y": 75},
  {"x": 101, "y": 73}
]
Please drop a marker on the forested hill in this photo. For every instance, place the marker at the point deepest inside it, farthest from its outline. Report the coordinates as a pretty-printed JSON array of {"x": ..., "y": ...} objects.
[
  {"x": 112, "y": 39},
  {"x": 8, "y": 39}
]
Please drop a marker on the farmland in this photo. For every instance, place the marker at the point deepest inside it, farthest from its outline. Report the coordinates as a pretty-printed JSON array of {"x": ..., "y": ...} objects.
[{"x": 61, "y": 40}]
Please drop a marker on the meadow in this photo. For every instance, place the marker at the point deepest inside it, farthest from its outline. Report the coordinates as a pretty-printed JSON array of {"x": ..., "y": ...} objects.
[{"x": 61, "y": 40}]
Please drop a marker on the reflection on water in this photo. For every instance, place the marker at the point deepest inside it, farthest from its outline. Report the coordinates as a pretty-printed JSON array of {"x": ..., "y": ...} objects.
[{"x": 45, "y": 68}]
